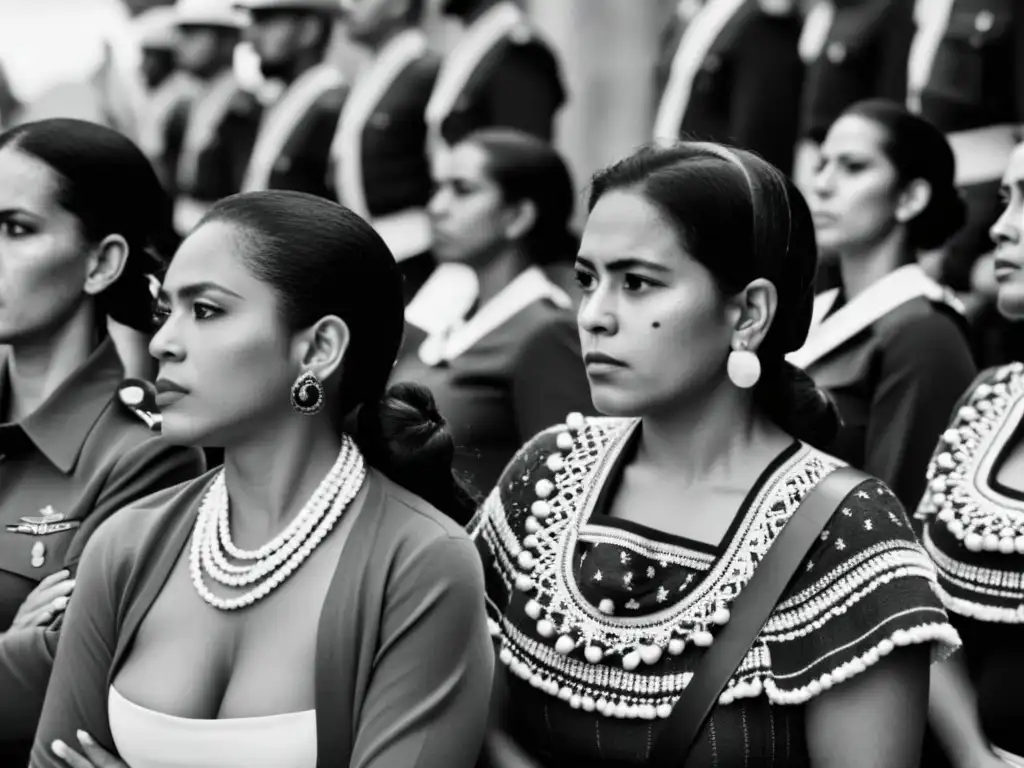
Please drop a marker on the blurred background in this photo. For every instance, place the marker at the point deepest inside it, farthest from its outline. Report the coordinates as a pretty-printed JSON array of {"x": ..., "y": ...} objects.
[{"x": 74, "y": 58}]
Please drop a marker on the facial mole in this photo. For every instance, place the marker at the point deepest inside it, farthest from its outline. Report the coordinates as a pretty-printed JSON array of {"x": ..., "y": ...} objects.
[{"x": 655, "y": 324}]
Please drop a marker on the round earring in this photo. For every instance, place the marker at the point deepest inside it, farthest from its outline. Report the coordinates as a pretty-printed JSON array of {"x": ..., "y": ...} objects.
[
  {"x": 743, "y": 367},
  {"x": 307, "y": 394}
]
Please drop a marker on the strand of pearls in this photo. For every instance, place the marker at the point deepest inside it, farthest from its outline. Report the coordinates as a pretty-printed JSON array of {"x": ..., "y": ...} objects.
[{"x": 311, "y": 526}]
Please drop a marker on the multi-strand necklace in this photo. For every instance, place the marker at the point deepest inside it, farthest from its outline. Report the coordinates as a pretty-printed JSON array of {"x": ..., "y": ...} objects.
[{"x": 266, "y": 568}]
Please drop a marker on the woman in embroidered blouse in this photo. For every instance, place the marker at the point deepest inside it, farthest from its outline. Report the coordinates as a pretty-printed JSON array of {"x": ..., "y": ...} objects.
[
  {"x": 191, "y": 642},
  {"x": 615, "y": 546},
  {"x": 510, "y": 363},
  {"x": 973, "y": 518},
  {"x": 81, "y": 212},
  {"x": 887, "y": 345}
]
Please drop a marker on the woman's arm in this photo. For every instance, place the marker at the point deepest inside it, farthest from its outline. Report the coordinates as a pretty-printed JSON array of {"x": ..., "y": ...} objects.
[
  {"x": 953, "y": 711},
  {"x": 427, "y": 702},
  {"x": 874, "y": 720}
]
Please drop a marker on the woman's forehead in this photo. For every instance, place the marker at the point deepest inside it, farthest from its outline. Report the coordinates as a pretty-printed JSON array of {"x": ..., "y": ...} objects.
[{"x": 26, "y": 183}]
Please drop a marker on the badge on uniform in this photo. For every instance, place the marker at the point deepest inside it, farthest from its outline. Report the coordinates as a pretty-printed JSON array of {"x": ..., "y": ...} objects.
[
  {"x": 139, "y": 397},
  {"x": 47, "y": 522}
]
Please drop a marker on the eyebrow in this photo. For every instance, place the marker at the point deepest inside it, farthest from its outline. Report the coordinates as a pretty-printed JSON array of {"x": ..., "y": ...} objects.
[
  {"x": 198, "y": 289},
  {"x": 625, "y": 264},
  {"x": 4, "y": 213}
]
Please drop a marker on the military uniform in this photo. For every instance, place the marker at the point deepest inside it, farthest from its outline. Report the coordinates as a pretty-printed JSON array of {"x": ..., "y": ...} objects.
[
  {"x": 966, "y": 75},
  {"x": 852, "y": 51},
  {"x": 379, "y": 165},
  {"x": 79, "y": 458},
  {"x": 292, "y": 146},
  {"x": 163, "y": 124},
  {"x": 736, "y": 79},
  {"x": 499, "y": 74},
  {"x": 218, "y": 141}
]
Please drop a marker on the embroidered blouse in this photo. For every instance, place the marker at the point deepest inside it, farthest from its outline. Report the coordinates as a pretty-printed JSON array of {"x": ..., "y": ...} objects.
[
  {"x": 973, "y": 529},
  {"x": 601, "y": 621}
]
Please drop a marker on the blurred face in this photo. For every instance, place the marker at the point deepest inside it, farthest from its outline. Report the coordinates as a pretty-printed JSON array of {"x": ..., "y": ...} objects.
[
  {"x": 43, "y": 253},
  {"x": 278, "y": 37},
  {"x": 855, "y": 192},
  {"x": 156, "y": 65},
  {"x": 197, "y": 48},
  {"x": 468, "y": 217},
  {"x": 368, "y": 20},
  {"x": 224, "y": 354},
  {"x": 1008, "y": 235},
  {"x": 653, "y": 325}
]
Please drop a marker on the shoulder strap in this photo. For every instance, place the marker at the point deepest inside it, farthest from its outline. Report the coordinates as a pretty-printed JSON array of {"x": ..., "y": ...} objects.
[{"x": 750, "y": 612}]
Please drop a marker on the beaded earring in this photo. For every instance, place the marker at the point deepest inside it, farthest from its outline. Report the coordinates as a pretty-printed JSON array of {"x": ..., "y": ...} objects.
[
  {"x": 743, "y": 367},
  {"x": 307, "y": 394}
]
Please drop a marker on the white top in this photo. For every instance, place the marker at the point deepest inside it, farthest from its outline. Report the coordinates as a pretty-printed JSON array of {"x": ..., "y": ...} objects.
[{"x": 148, "y": 739}]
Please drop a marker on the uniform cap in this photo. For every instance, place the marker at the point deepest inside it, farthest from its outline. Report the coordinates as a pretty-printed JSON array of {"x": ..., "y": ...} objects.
[
  {"x": 318, "y": 6},
  {"x": 155, "y": 28},
  {"x": 211, "y": 13}
]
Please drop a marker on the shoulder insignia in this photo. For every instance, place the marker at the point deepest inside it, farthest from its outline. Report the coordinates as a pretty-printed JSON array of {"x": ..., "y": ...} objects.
[
  {"x": 138, "y": 397},
  {"x": 521, "y": 33}
]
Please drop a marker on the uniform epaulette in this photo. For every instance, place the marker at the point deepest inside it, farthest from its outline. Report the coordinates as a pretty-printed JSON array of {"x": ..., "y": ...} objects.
[
  {"x": 522, "y": 33},
  {"x": 138, "y": 397}
]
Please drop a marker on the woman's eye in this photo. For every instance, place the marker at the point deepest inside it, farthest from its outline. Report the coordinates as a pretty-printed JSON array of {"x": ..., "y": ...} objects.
[
  {"x": 584, "y": 280},
  {"x": 13, "y": 229},
  {"x": 635, "y": 284},
  {"x": 160, "y": 315},
  {"x": 204, "y": 311}
]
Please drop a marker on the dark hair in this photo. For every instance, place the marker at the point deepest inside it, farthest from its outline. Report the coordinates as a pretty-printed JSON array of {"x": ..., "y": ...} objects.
[
  {"x": 322, "y": 259},
  {"x": 742, "y": 219},
  {"x": 106, "y": 182},
  {"x": 919, "y": 150},
  {"x": 528, "y": 168}
]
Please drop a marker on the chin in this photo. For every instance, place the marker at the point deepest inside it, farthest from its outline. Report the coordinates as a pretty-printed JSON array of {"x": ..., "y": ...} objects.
[
  {"x": 180, "y": 429},
  {"x": 1010, "y": 300},
  {"x": 616, "y": 402}
]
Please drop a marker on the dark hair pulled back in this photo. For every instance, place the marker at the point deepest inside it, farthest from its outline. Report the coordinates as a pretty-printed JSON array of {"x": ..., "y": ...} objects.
[
  {"x": 109, "y": 185},
  {"x": 919, "y": 150},
  {"x": 322, "y": 259},
  {"x": 527, "y": 168},
  {"x": 742, "y": 219}
]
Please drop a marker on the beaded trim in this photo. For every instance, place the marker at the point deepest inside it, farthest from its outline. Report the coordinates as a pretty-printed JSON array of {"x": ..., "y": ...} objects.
[
  {"x": 976, "y": 515},
  {"x": 571, "y": 656}
]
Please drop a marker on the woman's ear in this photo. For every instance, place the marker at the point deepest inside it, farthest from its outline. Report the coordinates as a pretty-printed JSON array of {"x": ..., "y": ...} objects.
[
  {"x": 105, "y": 264},
  {"x": 751, "y": 312},
  {"x": 321, "y": 348}
]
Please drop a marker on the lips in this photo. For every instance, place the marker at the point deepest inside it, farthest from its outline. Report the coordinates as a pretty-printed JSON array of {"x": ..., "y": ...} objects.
[
  {"x": 168, "y": 391},
  {"x": 1005, "y": 267},
  {"x": 601, "y": 360}
]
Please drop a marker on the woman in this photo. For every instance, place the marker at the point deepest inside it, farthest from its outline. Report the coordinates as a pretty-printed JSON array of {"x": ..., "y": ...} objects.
[
  {"x": 697, "y": 265},
  {"x": 974, "y": 531},
  {"x": 509, "y": 363},
  {"x": 887, "y": 345},
  {"x": 277, "y": 612},
  {"x": 81, "y": 212}
]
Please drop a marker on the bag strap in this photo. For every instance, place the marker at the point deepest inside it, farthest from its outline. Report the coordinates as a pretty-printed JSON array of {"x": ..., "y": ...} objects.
[{"x": 750, "y": 612}]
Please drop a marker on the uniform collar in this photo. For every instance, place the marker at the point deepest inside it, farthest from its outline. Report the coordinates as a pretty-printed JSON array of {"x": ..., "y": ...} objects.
[{"x": 59, "y": 427}]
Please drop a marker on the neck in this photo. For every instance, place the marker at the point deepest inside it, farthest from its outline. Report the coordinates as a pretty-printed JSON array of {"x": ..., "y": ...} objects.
[
  {"x": 709, "y": 437},
  {"x": 496, "y": 273},
  {"x": 862, "y": 269},
  {"x": 386, "y": 36},
  {"x": 36, "y": 368},
  {"x": 302, "y": 63},
  {"x": 271, "y": 477}
]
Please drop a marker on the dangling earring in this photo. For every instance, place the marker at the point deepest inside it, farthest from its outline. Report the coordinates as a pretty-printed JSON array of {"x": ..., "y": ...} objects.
[
  {"x": 743, "y": 367},
  {"x": 307, "y": 394}
]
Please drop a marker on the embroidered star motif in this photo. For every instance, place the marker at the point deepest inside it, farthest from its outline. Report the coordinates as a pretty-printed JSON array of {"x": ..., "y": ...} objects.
[
  {"x": 650, "y": 571},
  {"x": 624, "y": 558},
  {"x": 824, "y": 535},
  {"x": 847, "y": 511},
  {"x": 840, "y": 545},
  {"x": 810, "y": 566},
  {"x": 662, "y": 595},
  {"x": 863, "y": 495},
  {"x": 663, "y": 563},
  {"x": 633, "y": 605},
  {"x": 627, "y": 579},
  {"x": 881, "y": 491},
  {"x": 868, "y": 525},
  {"x": 598, "y": 576}
]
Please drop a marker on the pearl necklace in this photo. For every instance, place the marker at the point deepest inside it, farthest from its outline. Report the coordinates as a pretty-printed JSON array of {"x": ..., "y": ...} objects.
[
  {"x": 269, "y": 566},
  {"x": 965, "y": 457}
]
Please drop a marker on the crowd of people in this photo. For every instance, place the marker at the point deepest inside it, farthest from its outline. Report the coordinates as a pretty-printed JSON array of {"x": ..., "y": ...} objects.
[{"x": 325, "y": 439}]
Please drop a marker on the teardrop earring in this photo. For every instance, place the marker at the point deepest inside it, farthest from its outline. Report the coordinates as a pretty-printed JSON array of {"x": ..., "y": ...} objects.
[
  {"x": 743, "y": 367},
  {"x": 307, "y": 394}
]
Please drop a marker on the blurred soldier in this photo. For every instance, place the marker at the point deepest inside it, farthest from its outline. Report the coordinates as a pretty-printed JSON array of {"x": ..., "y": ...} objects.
[
  {"x": 735, "y": 78},
  {"x": 222, "y": 122},
  {"x": 499, "y": 74},
  {"x": 966, "y": 75},
  {"x": 853, "y": 50},
  {"x": 303, "y": 97},
  {"x": 9, "y": 105},
  {"x": 171, "y": 92},
  {"x": 379, "y": 165}
]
